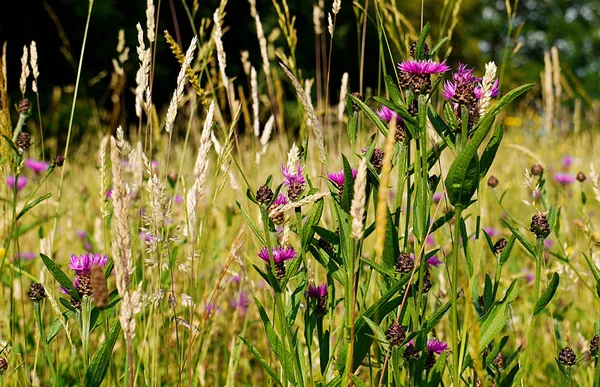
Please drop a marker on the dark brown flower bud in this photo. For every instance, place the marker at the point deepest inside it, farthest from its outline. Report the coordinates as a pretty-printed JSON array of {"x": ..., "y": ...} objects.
[
  {"x": 23, "y": 141},
  {"x": 400, "y": 133},
  {"x": 264, "y": 194},
  {"x": 580, "y": 177},
  {"x": 500, "y": 245},
  {"x": 413, "y": 49},
  {"x": 492, "y": 182},
  {"x": 295, "y": 191},
  {"x": 500, "y": 360},
  {"x": 59, "y": 160},
  {"x": 279, "y": 270},
  {"x": 540, "y": 226},
  {"x": 430, "y": 362},
  {"x": 36, "y": 292},
  {"x": 395, "y": 334},
  {"x": 3, "y": 365},
  {"x": 99, "y": 287},
  {"x": 413, "y": 108},
  {"x": 23, "y": 106},
  {"x": 377, "y": 160},
  {"x": 84, "y": 285},
  {"x": 594, "y": 345},
  {"x": 278, "y": 218},
  {"x": 358, "y": 96},
  {"x": 567, "y": 357},
  {"x": 537, "y": 170}
]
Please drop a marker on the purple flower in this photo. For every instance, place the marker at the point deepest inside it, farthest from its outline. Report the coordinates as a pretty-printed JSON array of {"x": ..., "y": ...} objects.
[
  {"x": 564, "y": 178},
  {"x": 462, "y": 79},
  {"x": 429, "y": 240},
  {"x": 81, "y": 234},
  {"x": 387, "y": 115},
  {"x": 423, "y": 67},
  {"x": 492, "y": 232},
  {"x": 241, "y": 303},
  {"x": 548, "y": 243},
  {"x": 290, "y": 178},
  {"x": 337, "y": 178},
  {"x": 27, "y": 255},
  {"x": 178, "y": 199},
  {"x": 82, "y": 264},
  {"x": 317, "y": 291},
  {"x": 528, "y": 275},
  {"x": 154, "y": 164},
  {"x": 437, "y": 346},
  {"x": 21, "y": 182},
  {"x": 434, "y": 261},
  {"x": 108, "y": 194},
  {"x": 566, "y": 162},
  {"x": 280, "y": 199},
  {"x": 438, "y": 196},
  {"x": 280, "y": 254},
  {"x": 493, "y": 92},
  {"x": 36, "y": 166}
]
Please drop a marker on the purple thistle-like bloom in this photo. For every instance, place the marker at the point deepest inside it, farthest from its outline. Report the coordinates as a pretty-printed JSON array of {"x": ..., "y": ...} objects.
[
  {"x": 317, "y": 291},
  {"x": 493, "y": 92},
  {"x": 566, "y": 162},
  {"x": 82, "y": 264},
  {"x": 437, "y": 346},
  {"x": 337, "y": 178},
  {"x": 178, "y": 199},
  {"x": 434, "y": 261},
  {"x": 36, "y": 166},
  {"x": 21, "y": 182},
  {"x": 280, "y": 254},
  {"x": 290, "y": 178},
  {"x": 387, "y": 115},
  {"x": 423, "y": 67},
  {"x": 27, "y": 255},
  {"x": 462, "y": 78},
  {"x": 564, "y": 178},
  {"x": 108, "y": 194},
  {"x": 280, "y": 199}
]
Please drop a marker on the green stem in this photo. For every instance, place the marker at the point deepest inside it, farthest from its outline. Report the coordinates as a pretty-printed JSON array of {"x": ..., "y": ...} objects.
[
  {"x": 456, "y": 255},
  {"x": 86, "y": 308},
  {"x": 38, "y": 319}
]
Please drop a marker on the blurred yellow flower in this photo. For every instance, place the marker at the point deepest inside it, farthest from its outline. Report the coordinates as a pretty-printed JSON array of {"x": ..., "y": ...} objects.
[
  {"x": 2, "y": 252},
  {"x": 513, "y": 121}
]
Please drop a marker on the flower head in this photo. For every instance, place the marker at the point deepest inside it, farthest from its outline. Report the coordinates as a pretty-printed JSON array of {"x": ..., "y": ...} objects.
[
  {"x": 566, "y": 161},
  {"x": 280, "y": 199},
  {"x": 82, "y": 264},
  {"x": 36, "y": 166},
  {"x": 317, "y": 291},
  {"x": 280, "y": 254},
  {"x": 21, "y": 182},
  {"x": 437, "y": 346},
  {"x": 564, "y": 178},
  {"x": 423, "y": 67},
  {"x": 81, "y": 234},
  {"x": 434, "y": 261},
  {"x": 290, "y": 178},
  {"x": 388, "y": 114},
  {"x": 495, "y": 90},
  {"x": 337, "y": 178},
  {"x": 462, "y": 87}
]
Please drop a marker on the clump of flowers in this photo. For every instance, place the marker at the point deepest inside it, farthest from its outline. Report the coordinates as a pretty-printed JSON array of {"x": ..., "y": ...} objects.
[
  {"x": 280, "y": 255},
  {"x": 37, "y": 166},
  {"x": 294, "y": 181},
  {"x": 20, "y": 182},
  {"x": 319, "y": 293},
  {"x": 82, "y": 266},
  {"x": 338, "y": 179},
  {"x": 415, "y": 75},
  {"x": 278, "y": 218}
]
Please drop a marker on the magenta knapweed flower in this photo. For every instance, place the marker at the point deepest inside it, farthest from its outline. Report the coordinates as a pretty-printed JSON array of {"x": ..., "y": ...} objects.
[
  {"x": 37, "y": 166},
  {"x": 82, "y": 264},
  {"x": 492, "y": 232},
  {"x": 108, "y": 194},
  {"x": 290, "y": 178},
  {"x": 423, "y": 67},
  {"x": 280, "y": 199},
  {"x": 434, "y": 261},
  {"x": 81, "y": 234},
  {"x": 387, "y": 115},
  {"x": 564, "y": 178},
  {"x": 337, "y": 178},
  {"x": 27, "y": 255},
  {"x": 548, "y": 243},
  {"x": 566, "y": 161},
  {"x": 178, "y": 199},
  {"x": 317, "y": 291},
  {"x": 437, "y": 346},
  {"x": 21, "y": 182},
  {"x": 463, "y": 79},
  {"x": 493, "y": 92},
  {"x": 280, "y": 254}
]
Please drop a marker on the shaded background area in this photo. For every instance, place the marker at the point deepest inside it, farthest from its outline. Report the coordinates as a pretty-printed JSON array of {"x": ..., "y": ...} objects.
[{"x": 58, "y": 26}]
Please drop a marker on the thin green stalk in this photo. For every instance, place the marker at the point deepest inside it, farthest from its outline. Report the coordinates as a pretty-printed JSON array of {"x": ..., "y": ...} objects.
[
  {"x": 86, "y": 309},
  {"x": 454, "y": 328},
  {"x": 38, "y": 319}
]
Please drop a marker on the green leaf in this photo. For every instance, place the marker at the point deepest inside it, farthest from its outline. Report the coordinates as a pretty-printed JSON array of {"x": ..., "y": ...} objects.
[
  {"x": 420, "y": 49},
  {"x": 489, "y": 358},
  {"x": 312, "y": 219},
  {"x": 327, "y": 235},
  {"x": 508, "y": 98},
  {"x": 393, "y": 90},
  {"x": 252, "y": 225},
  {"x": 547, "y": 295},
  {"x": 99, "y": 364},
  {"x": 379, "y": 333},
  {"x": 520, "y": 237},
  {"x": 285, "y": 357},
  {"x": 442, "y": 129},
  {"x": 505, "y": 254},
  {"x": 496, "y": 319},
  {"x": 593, "y": 268},
  {"x": 33, "y": 204},
  {"x": 262, "y": 361},
  {"x": 391, "y": 249},
  {"x": 402, "y": 112},
  {"x": 352, "y": 126},
  {"x": 489, "y": 154},
  {"x": 348, "y": 185},
  {"x": 450, "y": 117},
  {"x": 437, "y": 316},
  {"x": 60, "y": 276},
  {"x": 57, "y": 325},
  {"x": 434, "y": 50},
  {"x": 371, "y": 115}
]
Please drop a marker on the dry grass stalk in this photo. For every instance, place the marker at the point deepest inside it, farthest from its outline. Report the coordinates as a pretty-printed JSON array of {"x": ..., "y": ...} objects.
[
  {"x": 487, "y": 85},
  {"x": 302, "y": 202},
  {"x": 312, "y": 120},
  {"x": 255, "y": 102},
  {"x": 142, "y": 75},
  {"x": 33, "y": 61},
  {"x": 547, "y": 92},
  {"x": 150, "y": 21},
  {"x": 264, "y": 139},
  {"x": 343, "y": 94},
  {"x": 178, "y": 94},
  {"x": 381, "y": 214},
  {"x": 357, "y": 210},
  {"x": 24, "y": 71}
]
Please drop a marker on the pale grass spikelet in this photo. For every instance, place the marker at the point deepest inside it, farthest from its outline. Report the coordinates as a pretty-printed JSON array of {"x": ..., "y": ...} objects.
[
  {"x": 33, "y": 61},
  {"x": 317, "y": 15},
  {"x": 221, "y": 56},
  {"x": 255, "y": 102},
  {"x": 178, "y": 94},
  {"x": 24, "y": 71},
  {"x": 548, "y": 93},
  {"x": 158, "y": 214},
  {"x": 556, "y": 73},
  {"x": 533, "y": 189},
  {"x": 245, "y": 58},
  {"x": 431, "y": 132},
  {"x": 337, "y": 6},
  {"x": 264, "y": 138},
  {"x": 302, "y": 202},
  {"x": 292, "y": 157},
  {"x": 142, "y": 75},
  {"x": 595, "y": 179},
  {"x": 343, "y": 94},
  {"x": 103, "y": 178},
  {"x": 382, "y": 210},
  {"x": 312, "y": 120},
  {"x": 487, "y": 84},
  {"x": 330, "y": 26},
  {"x": 357, "y": 209},
  {"x": 150, "y": 26}
]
